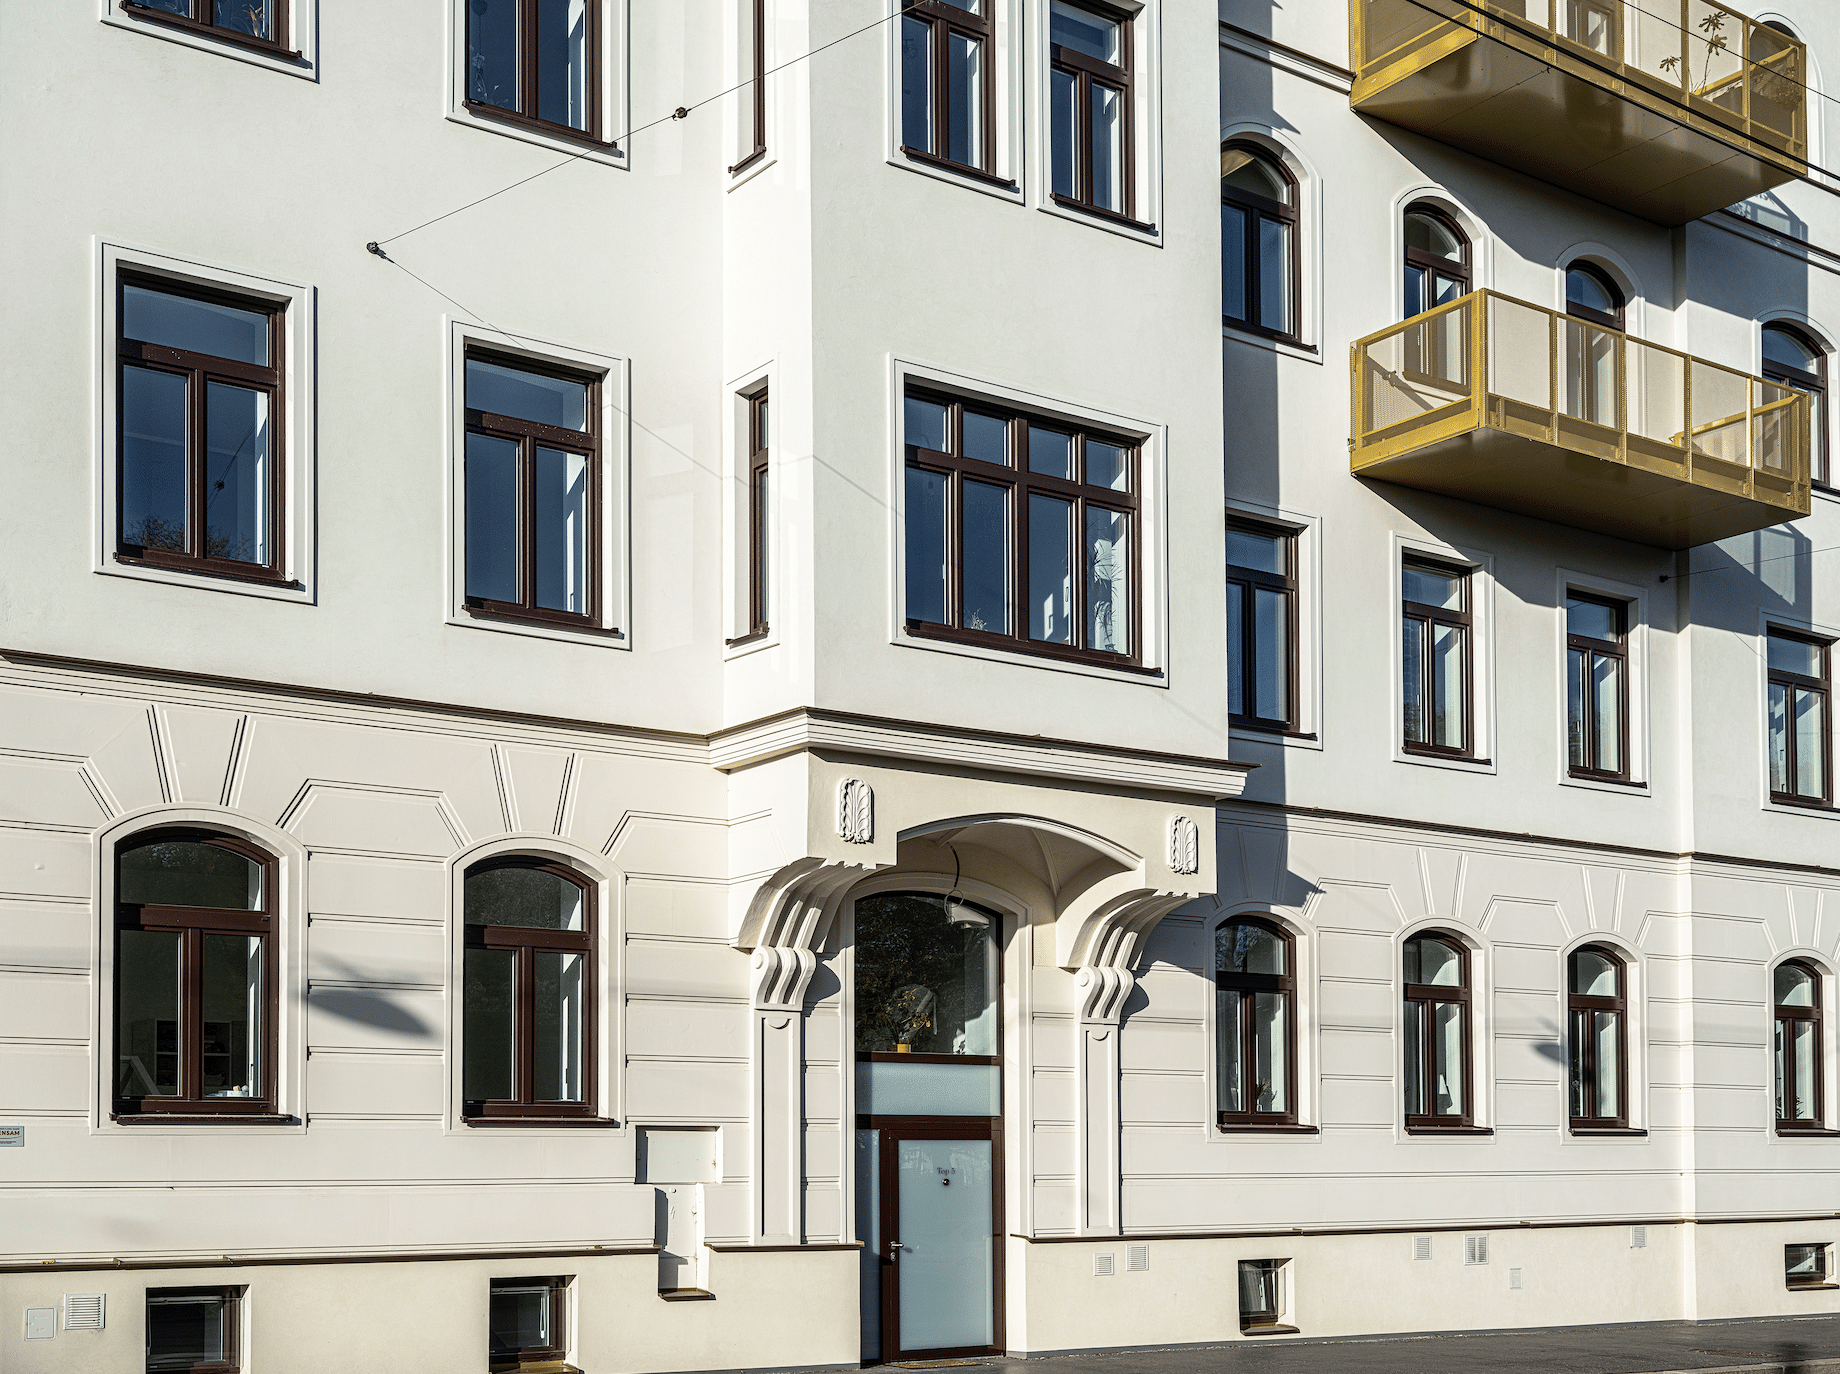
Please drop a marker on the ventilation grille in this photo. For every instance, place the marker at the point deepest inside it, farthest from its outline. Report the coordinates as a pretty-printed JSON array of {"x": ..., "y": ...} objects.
[
  {"x": 1475, "y": 1249},
  {"x": 1514, "y": 1278},
  {"x": 1421, "y": 1247},
  {"x": 83, "y": 1311},
  {"x": 1102, "y": 1264},
  {"x": 1638, "y": 1237},
  {"x": 1137, "y": 1259}
]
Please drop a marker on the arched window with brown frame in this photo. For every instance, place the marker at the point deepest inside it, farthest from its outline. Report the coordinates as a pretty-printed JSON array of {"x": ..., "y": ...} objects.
[
  {"x": 1255, "y": 1024},
  {"x": 1598, "y": 1054},
  {"x": 1259, "y": 272},
  {"x": 1591, "y": 294},
  {"x": 1794, "y": 359},
  {"x": 195, "y": 989},
  {"x": 528, "y": 995},
  {"x": 1589, "y": 351},
  {"x": 1437, "y": 1033},
  {"x": 1797, "y": 998},
  {"x": 1437, "y": 259}
]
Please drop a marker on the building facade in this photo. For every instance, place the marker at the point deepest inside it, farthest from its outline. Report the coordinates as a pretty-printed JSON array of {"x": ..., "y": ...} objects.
[{"x": 892, "y": 788}]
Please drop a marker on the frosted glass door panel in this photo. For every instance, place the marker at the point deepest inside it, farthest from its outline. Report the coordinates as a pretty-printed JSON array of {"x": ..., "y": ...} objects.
[
  {"x": 884, "y": 1089},
  {"x": 947, "y": 1247}
]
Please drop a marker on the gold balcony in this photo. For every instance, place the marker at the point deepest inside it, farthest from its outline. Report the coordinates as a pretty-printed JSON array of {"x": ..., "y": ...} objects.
[
  {"x": 1669, "y": 109},
  {"x": 1496, "y": 401}
]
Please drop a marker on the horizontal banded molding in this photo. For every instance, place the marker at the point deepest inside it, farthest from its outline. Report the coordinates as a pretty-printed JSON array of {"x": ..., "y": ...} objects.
[
  {"x": 802, "y": 729},
  {"x": 269, "y": 1258},
  {"x": 49, "y": 898},
  {"x": 369, "y": 985},
  {"x": 431, "y": 1118},
  {"x": 408, "y": 1051},
  {"x": 48, "y": 827},
  {"x": 1293, "y": 60},
  {"x": 46, "y": 970},
  {"x": 51, "y": 1040},
  {"x": 687, "y": 1059},
  {"x": 348, "y": 918}
]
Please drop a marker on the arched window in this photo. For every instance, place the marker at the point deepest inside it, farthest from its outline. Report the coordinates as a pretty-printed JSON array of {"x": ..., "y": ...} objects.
[
  {"x": 1258, "y": 241},
  {"x": 1255, "y": 1024},
  {"x": 194, "y": 977},
  {"x": 1792, "y": 359},
  {"x": 1599, "y": 1053},
  {"x": 1437, "y": 1033},
  {"x": 1594, "y": 307},
  {"x": 1437, "y": 260},
  {"x": 1591, "y": 295},
  {"x": 527, "y": 1044},
  {"x": 1798, "y": 1047}
]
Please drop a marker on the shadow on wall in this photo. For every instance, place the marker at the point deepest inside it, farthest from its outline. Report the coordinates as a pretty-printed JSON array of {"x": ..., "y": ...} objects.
[{"x": 373, "y": 1008}]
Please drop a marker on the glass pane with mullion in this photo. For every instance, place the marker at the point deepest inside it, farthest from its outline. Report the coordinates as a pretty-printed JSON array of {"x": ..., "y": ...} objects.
[
  {"x": 184, "y": 1330},
  {"x": 519, "y": 1318},
  {"x": 1107, "y": 147},
  {"x": 986, "y": 558},
  {"x": 1240, "y": 657},
  {"x": 488, "y": 1040},
  {"x": 1415, "y": 1059},
  {"x": 1050, "y": 570},
  {"x": 1607, "y": 1032},
  {"x": 1576, "y": 1052},
  {"x": 154, "y": 411},
  {"x": 237, "y": 477},
  {"x": 492, "y": 518},
  {"x": 1577, "y": 739},
  {"x": 1270, "y": 1046},
  {"x": 253, "y": 17},
  {"x": 1413, "y": 635},
  {"x": 1108, "y": 580},
  {"x": 917, "y": 84},
  {"x": 230, "y": 1036},
  {"x": 1607, "y": 713},
  {"x": 1810, "y": 744},
  {"x": 1230, "y": 1088},
  {"x": 192, "y": 325},
  {"x": 1778, "y": 727},
  {"x": 561, "y": 530},
  {"x": 1064, "y": 115},
  {"x": 1275, "y": 275},
  {"x": 523, "y": 394},
  {"x": 563, "y": 90},
  {"x": 179, "y": 7},
  {"x": 1271, "y": 654},
  {"x": 492, "y": 53},
  {"x": 147, "y": 1014},
  {"x": 1051, "y": 452},
  {"x": 1233, "y": 264},
  {"x": 965, "y": 99},
  {"x": 928, "y": 556},
  {"x": 763, "y": 542},
  {"x": 1449, "y": 694},
  {"x": 1447, "y": 1058},
  {"x": 1802, "y": 1084},
  {"x": 556, "y": 1042}
]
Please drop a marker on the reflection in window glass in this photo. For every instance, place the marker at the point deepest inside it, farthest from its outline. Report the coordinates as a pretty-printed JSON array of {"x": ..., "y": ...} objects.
[
  {"x": 1108, "y": 148},
  {"x": 986, "y": 438},
  {"x": 236, "y": 473},
  {"x": 492, "y": 52},
  {"x": 964, "y": 126},
  {"x": 1050, "y": 452},
  {"x": 927, "y": 554},
  {"x": 189, "y": 873},
  {"x": 987, "y": 558},
  {"x": 186, "y": 1328},
  {"x": 1108, "y": 580},
  {"x": 1083, "y": 31},
  {"x": 562, "y": 62},
  {"x": 526, "y": 897},
  {"x": 196, "y": 326},
  {"x": 1050, "y": 569},
  {"x": 487, "y": 1044},
  {"x": 925, "y": 982},
  {"x": 524, "y": 395},
  {"x": 153, "y": 435},
  {"x": 147, "y": 1014},
  {"x": 562, "y": 531},
  {"x": 916, "y": 85},
  {"x": 556, "y": 1041},
  {"x": 491, "y": 518},
  {"x": 925, "y": 423},
  {"x": 231, "y": 979},
  {"x": 1063, "y": 112}
]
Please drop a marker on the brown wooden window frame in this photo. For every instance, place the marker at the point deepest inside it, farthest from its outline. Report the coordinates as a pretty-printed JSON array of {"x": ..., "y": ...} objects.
[
  {"x": 1780, "y": 1016},
  {"x": 1430, "y": 996},
  {"x": 1021, "y": 485},
  {"x": 525, "y": 942},
  {"x": 1256, "y": 209},
  {"x": 1812, "y": 384},
  {"x": 1797, "y": 682},
  {"x": 190, "y": 23},
  {"x": 550, "y": 1356},
  {"x": 200, "y": 369},
  {"x": 529, "y": 434},
  {"x": 1417, "y": 260},
  {"x": 1279, "y": 984},
  {"x": 1605, "y": 319},
  {"x": 1594, "y": 649},
  {"x": 523, "y": 116},
  {"x": 759, "y": 518},
  {"x": 232, "y": 1299},
  {"x": 942, "y": 20},
  {"x": 1240, "y": 582},
  {"x": 193, "y": 923},
  {"x": 753, "y": 92},
  {"x": 1430, "y": 617},
  {"x": 1582, "y": 1058},
  {"x": 1085, "y": 71}
]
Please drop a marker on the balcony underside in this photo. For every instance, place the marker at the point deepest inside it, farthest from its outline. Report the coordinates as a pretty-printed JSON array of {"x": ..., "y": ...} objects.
[
  {"x": 1649, "y": 498},
  {"x": 1614, "y": 141}
]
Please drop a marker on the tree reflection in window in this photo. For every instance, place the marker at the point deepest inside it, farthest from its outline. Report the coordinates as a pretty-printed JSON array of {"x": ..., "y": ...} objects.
[{"x": 926, "y": 982}]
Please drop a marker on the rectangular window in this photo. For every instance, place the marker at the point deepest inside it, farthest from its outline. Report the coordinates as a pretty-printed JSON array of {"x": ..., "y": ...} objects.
[
  {"x": 1806, "y": 1266},
  {"x": 532, "y": 492},
  {"x": 198, "y": 451},
  {"x": 196, "y": 1330},
  {"x": 1436, "y": 666},
  {"x": 759, "y": 518},
  {"x": 1261, "y": 626},
  {"x": 1092, "y": 164},
  {"x": 1261, "y": 1293},
  {"x": 536, "y": 63},
  {"x": 1596, "y": 687},
  {"x": 1797, "y": 719},
  {"x": 751, "y": 98},
  {"x": 1021, "y": 531},
  {"x": 949, "y": 83},
  {"x": 528, "y": 1323},
  {"x": 259, "y": 24}
]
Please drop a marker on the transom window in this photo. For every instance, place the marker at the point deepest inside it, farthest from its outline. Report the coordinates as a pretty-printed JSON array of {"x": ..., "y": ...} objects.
[
  {"x": 528, "y": 1324},
  {"x": 1596, "y": 687},
  {"x": 1258, "y": 241},
  {"x": 194, "y": 977},
  {"x": 1255, "y": 1024},
  {"x": 1089, "y": 94},
  {"x": 1437, "y": 1073},
  {"x": 194, "y": 1330},
  {"x": 1792, "y": 359},
  {"x": 1436, "y": 665},
  {"x": 1798, "y": 1047},
  {"x": 1797, "y": 719},
  {"x": 532, "y": 492},
  {"x": 1261, "y": 626},
  {"x": 948, "y": 83},
  {"x": 1021, "y": 531},
  {"x": 1591, "y": 295},
  {"x": 1599, "y": 1050},
  {"x": 528, "y": 1039},
  {"x": 1437, "y": 260},
  {"x": 199, "y": 450},
  {"x": 260, "y": 24},
  {"x": 535, "y": 62}
]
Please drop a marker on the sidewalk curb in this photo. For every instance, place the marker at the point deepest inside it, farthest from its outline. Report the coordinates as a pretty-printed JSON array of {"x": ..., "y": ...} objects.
[{"x": 1823, "y": 1366}]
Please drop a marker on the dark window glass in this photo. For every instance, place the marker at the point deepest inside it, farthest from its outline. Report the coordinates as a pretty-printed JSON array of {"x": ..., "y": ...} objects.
[
  {"x": 528, "y": 989},
  {"x": 199, "y": 444},
  {"x": 759, "y": 517},
  {"x": 1435, "y": 633},
  {"x": 1793, "y": 360},
  {"x": 751, "y": 99},
  {"x": 948, "y": 84},
  {"x": 1089, "y": 108},
  {"x": 532, "y": 494},
  {"x": 527, "y": 1323},
  {"x": 926, "y": 976},
  {"x": 1596, "y": 687},
  {"x": 247, "y": 23},
  {"x": 1261, "y": 1293},
  {"x": 535, "y": 62},
  {"x": 194, "y": 1330},
  {"x": 1255, "y": 1025},
  {"x": 1437, "y": 1073},
  {"x": 1799, "y": 1043},
  {"x": 1258, "y": 232},
  {"x": 1436, "y": 261},
  {"x": 1796, "y": 719},
  {"x": 1598, "y": 1049},
  {"x": 1020, "y": 532},
  {"x": 1805, "y": 1266},
  {"x": 1261, "y": 626}
]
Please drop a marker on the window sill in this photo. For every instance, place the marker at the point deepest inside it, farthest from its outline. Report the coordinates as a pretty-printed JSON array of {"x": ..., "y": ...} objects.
[
  {"x": 1817, "y": 1132},
  {"x": 1811, "y": 1287},
  {"x": 959, "y": 169},
  {"x": 753, "y": 636},
  {"x": 1268, "y": 1330},
  {"x": 1257, "y": 1128},
  {"x": 546, "y": 1122},
  {"x": 267, "y": 48},
  {"x": 686, "y": 1295},
  {"x": 1608, "y": 1130},
  {"x": 199, "y": 567},
  {"x": 1027, "y": 651},
  {"x": 543, "y": 135},
  {"x": 203, "y": 1119},
  {"x": 559, "y": 133},
  {"x": 1604, "y": 780},
  {"x": 1801, "y": 805},
  {"x": 1110, "y": 218},
  {"x": 1257, "y": 728},
  {"x": 1275, "y": 343},
  {"x": 560, "y": 620},
  {"x": 1450, "y": 1130},
  {"x": 1458, "y": 763}
]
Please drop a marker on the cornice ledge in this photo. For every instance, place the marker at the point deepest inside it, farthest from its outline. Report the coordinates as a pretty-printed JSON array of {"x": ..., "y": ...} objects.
[{"x": 802, "y": 729}]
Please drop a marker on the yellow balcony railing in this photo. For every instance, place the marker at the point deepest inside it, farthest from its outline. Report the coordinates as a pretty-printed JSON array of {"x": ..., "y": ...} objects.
[
  {"x": 1512, "y": 405},
  {"x": 1669, "y": 109}
]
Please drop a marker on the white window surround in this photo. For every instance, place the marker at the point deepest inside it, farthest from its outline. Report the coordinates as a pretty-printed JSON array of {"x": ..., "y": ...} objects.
[
  {"x": 1481, "y": 241},
  {"x": 1636, "y": 639},
  {"x": 1303, "y": 1006},
  {"x": 1153, "y": 525},
  {"x": 1829, "y": 990},
  {"x": 736, "y": 550},
  {"x": 608, "y": 883},
  {"x": 1007, "y": 21},
  {"x": 615, "y": 89},
  {"x": 288, "y": 944},
  {"x": 1635, "y": 1032},
  {"x": 303, "y": 38},
  {"x": 615, "y": 590},
  {"x": 1612, "y": 263},
  {"x": 741, "y": 71},
  {"x": 1481, "y": 1023},
  {"x": 1309, "y": 544},
  {"x": 298, "y": 444},
  {"x": 1482, "y": 652},
  {"x": 1146, "y": 115},
  {"x": 1765, "y": 622},
  {"x": 1309, "y": 245}
]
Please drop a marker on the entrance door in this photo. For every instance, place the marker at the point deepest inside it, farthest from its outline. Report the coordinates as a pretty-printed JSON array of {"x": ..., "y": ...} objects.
[{"x": 941, "y": 1204}]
